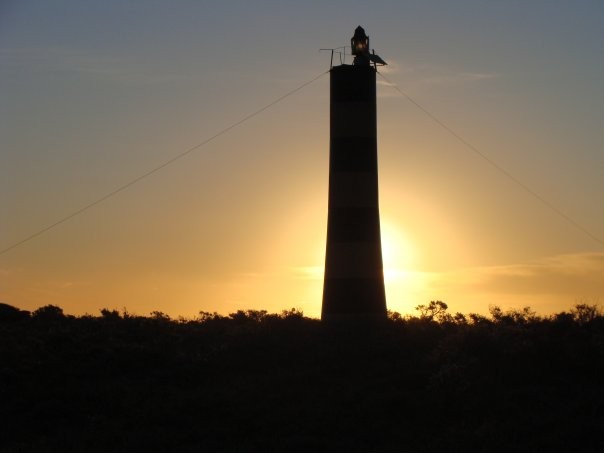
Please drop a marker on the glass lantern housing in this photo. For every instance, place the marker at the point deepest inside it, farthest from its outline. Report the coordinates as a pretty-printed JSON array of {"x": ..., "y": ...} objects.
[{"x": 359, "y": 42}]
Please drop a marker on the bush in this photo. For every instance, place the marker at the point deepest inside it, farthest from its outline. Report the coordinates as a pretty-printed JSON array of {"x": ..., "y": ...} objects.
[
  {"x": 10, "y": 313},
  {"x": 48, "y": 312}
]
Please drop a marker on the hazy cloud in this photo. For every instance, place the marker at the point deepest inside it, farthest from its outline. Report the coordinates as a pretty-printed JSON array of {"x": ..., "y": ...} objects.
[
  {"x": 456, "y": 78},
  {"x": 308, "y": 272},
  {"x": 72, "y": 284},
  {"x": 393, "y": 67},
  {"x": 431, "y": 74},
  {"x": 572, "y": 275}
]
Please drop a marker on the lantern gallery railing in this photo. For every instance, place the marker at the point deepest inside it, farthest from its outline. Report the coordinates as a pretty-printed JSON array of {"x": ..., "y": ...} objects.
[{"x": 359, "y": 47}]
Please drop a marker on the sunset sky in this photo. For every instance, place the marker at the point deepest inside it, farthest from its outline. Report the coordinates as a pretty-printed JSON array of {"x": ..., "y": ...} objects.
[{"x": 95, "y": 93}]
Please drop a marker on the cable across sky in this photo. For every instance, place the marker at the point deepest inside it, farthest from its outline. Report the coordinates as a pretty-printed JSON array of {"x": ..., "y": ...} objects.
[
  {"x": 495, "y": 165},
  {"x": 161, "y": 166},
  {"x": 201, "y": 144}
]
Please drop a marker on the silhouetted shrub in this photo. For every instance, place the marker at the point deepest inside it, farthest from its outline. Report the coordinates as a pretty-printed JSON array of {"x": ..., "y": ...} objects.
[
  {"x": 48, "y": 312},
  {"x": 293, "y": 313},
  {"x": 513, "y": 317},
  {"x": 436, "y": 310},
  {"x": 460, "y": 318},
  {"x": 110, "y": 314},
  {"x": 585, "y": 313},
  {"x": 10, "y": 313},
  {"x": 395, "y": 316},
  {"x": 160, "y": 316},
  {"x": 254, "y": 381},
  {"x": 247, "y": 316},
  {"x": 205, "y": 316},
  {"x": 478, "y": 319}
]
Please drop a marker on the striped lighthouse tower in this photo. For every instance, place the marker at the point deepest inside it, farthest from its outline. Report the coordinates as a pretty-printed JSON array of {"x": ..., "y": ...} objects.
[{"x": 354, "y": 278}]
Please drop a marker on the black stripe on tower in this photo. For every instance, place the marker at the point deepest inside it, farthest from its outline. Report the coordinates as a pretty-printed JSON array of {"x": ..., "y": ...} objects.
[
  {"x": 353, "y": 260},
  {"x": 354, "y": 224},
  {"x": 353, "y": 154},
  {"x": 352, "y": 189},
  {"x": 354, "y": 296},
  {"x": 352, "y": 84}
]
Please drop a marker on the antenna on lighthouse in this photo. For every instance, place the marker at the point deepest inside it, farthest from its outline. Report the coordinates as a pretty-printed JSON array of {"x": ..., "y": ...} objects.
[{"x": 340, "y": 51}]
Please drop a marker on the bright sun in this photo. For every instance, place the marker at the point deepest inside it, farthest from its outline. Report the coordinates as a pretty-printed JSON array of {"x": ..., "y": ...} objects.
[
  {"x": 397, "y": 251},
  {"x": 404, "y": 284}
]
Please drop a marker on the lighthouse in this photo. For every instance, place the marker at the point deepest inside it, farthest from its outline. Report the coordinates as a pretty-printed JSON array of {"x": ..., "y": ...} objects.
[{"x": 353, "y": 287}]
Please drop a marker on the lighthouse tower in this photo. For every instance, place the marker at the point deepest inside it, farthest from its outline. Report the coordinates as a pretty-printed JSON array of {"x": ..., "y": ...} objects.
[{"x": 354, "y": 279}]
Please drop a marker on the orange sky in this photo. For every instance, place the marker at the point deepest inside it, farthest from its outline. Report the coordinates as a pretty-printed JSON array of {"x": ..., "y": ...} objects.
[{"x": 94, "y": 96}]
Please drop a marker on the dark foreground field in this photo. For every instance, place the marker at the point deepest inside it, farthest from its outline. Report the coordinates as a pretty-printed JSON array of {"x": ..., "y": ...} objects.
[{"x": 257, "y": 382}]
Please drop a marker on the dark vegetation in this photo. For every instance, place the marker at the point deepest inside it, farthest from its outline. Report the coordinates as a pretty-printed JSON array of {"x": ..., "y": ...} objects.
[{"x": 254, "y": 381}]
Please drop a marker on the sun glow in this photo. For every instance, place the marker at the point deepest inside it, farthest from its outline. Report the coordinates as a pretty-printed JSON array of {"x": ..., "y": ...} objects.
[
  {"x": 403, "y": 283},
  {"x": 398, "y": 252}
]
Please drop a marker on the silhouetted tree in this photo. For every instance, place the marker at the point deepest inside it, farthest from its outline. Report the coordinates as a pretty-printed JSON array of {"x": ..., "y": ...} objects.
[
  {"x": 518, "y": 317},
  {"x": 395, "y": 316},
  {"x": 110, "y": 314},
  {"x": 293, "y": 313},
  {"x": 10, "y": 313},
  {"x": 512, "y": 381},
  {"x": 460, "y": 318},
  {"x": 48, "y": 312},
  {"x": 160, "y": 316},
  {"x": 476, "y": 318},
  {"x": 248, "y": 315},
  {"x": 585, "y": 313},
  {"x": 436, "y": 310}
]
